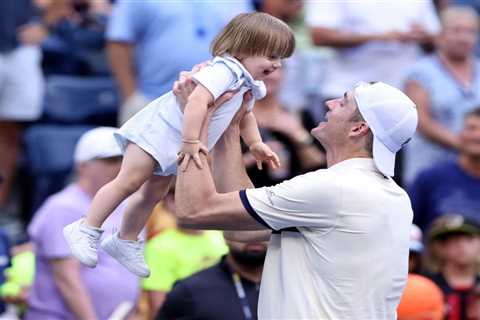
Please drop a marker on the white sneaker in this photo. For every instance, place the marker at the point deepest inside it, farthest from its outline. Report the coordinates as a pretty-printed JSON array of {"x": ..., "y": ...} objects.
[
  {"x": 128, "y": 252},
  {"x": 83, "y": 242}
]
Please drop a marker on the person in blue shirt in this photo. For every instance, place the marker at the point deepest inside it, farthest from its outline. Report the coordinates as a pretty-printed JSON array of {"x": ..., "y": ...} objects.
[
  {"x": 451, "y": 187},
  {"x": 151, "y": 42}
]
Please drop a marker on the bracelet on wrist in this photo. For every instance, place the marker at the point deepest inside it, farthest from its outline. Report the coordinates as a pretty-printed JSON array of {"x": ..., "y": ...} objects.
[{"x": 190, "y": 141}]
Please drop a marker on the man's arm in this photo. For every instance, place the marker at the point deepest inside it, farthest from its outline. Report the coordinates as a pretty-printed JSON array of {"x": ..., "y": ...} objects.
[
  {"x": 428, "y": 126},
  {"x": 197, "y": 202},
  {"x": 120, "y": 56},
  {"x": 322, "y": 36},
  {"x": 66, "y": 274},
  {"x": 229, "y": 175}
]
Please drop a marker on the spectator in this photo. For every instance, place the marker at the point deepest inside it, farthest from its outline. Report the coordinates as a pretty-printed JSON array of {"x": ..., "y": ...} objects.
[
  {"x": 20, "y": 100},
  {"x": 422, "y": 300},
  {"x": 75, "y": 43},
  {"x": 416, "y": 250},
  {"x": 293, "y": 93},
  {"x": 373, "y": 41},
  {"x": 151, "y": 42},
  {"x": 454, "y": 247},
  {"x": 444, "y": 86},
  {"x": 452, "y": 186},
  {"x": 62, "y": 288},
  {"x": 5, "y": 262},
  {"x": 234, "y": 280},
  {"x": 286, "y": 135},
  {"x": 176, "y": 253}
]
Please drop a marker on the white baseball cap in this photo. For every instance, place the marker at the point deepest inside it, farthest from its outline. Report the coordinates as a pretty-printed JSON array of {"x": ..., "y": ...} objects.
[
  {"x": 391, "y": 116},
  {"x": 97, "y": 143},
  {"x": 416, "y": 239}
]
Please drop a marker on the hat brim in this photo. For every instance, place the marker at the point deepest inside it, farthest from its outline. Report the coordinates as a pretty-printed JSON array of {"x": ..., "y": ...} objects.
[{"x": 384, "y": 159}]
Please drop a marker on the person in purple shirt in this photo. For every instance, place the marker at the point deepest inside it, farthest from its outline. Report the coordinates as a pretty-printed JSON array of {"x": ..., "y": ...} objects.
[
  {"x": 451, "y": 187},
  {"x": 62, "y": 288}
]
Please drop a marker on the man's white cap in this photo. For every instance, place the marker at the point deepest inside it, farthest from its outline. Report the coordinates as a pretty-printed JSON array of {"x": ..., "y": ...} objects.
[
  {"x": 391, "y": 116},
  {"x": 97, "y": 143}
]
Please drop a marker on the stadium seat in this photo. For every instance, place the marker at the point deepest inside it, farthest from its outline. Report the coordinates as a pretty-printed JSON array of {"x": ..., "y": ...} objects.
[
  {"x": 80, "y": 100},
  {"x": 49, "y": 158}
]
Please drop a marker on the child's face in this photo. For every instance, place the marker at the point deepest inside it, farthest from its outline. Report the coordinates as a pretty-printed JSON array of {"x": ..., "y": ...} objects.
[{"x": 260, "y": 67}]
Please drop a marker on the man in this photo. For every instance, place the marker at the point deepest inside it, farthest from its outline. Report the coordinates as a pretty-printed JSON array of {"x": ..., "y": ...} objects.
[
  {"x": 387, "y": 32},
  {"x": 235, "y": 281},
  {"x": 63, "y": 288},
  {"x": 20, "y": 100},
  {"x": 454, "y": 247},
  {"x": 339, "y": 247},
  {"x": 451, "y": 186},
  {"x": 150, "y": 42}
]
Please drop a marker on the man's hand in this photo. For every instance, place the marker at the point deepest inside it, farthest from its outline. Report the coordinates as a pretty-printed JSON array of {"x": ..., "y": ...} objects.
[
  {"x": 184, "y": 86},
  {"x": 262, "y": 152},
  {"x": 31, "y": 34}
]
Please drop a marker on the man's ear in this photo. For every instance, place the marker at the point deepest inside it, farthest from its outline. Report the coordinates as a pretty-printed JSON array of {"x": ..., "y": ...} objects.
[{"x": 359, "y": 129}]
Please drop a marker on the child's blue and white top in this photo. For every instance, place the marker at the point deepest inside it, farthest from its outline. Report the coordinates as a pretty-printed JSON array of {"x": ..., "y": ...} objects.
[{"x": 157, "y": 128}]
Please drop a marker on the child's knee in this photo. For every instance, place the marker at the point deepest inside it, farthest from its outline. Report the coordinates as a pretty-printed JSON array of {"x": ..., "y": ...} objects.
[{"x": 129, "y": 183}]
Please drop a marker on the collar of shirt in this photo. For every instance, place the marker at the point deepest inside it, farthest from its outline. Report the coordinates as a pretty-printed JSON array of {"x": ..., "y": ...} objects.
[
  {"x": 258, "y": 88},
  {"x": 356, "y": 163}
]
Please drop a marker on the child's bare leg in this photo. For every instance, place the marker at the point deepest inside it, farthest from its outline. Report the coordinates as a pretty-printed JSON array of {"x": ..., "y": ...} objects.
[
  {"x": 141, "y": 204},
  {"x": 137, "y": 167}
]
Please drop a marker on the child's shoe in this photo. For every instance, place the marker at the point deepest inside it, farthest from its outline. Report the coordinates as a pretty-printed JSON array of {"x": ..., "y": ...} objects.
[
  {"x": 128, "y": 252},
  {"x": 83, "y": 242}
]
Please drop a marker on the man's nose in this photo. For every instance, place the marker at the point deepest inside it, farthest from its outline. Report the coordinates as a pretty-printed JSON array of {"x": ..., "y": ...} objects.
[
  {"x": 331, "y": 104},
  {"x": 277, "y": 63}
]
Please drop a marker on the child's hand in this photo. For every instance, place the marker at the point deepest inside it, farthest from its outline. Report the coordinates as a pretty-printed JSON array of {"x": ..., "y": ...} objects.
[
  {"x": 191, "y": 151},
  {"x": 262, "y": 152}
]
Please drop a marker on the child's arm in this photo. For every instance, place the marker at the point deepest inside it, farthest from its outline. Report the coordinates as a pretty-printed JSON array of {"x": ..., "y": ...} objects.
[
  {"x": 252, "y": 138},
  {"x": 193, "y": 117}
]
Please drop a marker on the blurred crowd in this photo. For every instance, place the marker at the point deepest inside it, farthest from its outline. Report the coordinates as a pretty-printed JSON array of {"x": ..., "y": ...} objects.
[{"x": 73, "y": 70}]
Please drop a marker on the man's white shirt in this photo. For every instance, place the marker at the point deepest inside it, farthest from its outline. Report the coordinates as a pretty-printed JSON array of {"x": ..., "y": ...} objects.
[
  {"x": 387, "y": 61},
  {"x": 339, "y": 249}
]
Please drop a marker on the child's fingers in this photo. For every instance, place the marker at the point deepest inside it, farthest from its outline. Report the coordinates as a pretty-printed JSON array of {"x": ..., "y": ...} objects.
[
  {"x": 276, "y": 160},
  {"x": 259, "y": 164},
  {"x": 198, "y": 162},
  {"x": 180, "y": 157},
  {"x": 203, "y": 149},
  {"x": 184, "y": 164}
]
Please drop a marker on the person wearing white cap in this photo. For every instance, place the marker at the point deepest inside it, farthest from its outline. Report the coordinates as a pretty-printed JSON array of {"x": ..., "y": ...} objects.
[
  {"x": 340, "y": 236},
  {"x": 62, "y": 287}
]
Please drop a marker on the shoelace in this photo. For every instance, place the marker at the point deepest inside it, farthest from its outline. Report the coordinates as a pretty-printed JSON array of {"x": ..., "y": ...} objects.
[{"x": 92, "y": 240}]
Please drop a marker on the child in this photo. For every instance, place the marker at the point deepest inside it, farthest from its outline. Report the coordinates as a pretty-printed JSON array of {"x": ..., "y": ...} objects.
[{"x": 247, "y": 50}]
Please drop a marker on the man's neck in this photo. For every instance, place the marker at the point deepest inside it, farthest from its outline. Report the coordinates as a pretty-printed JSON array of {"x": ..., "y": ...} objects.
[
  {"x": 470, "y": 165},
  {"x": 252, "y": 273},
  {"x": 337, "y": 156}
]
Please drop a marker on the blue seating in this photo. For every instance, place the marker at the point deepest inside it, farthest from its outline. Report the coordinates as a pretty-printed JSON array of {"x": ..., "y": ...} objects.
[
  {"x": 49, "y": 158},
  {"x": 80, "y": 100}
]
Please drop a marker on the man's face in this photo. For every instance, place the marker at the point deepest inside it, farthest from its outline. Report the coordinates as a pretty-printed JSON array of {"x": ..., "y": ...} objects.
[
  {"x": 459, "y": 36},
  {"x": 101, "y": 171},
  {"x": 337, "y": 124},
  {"x": 248, "y": 253},
  {"x": 470, "y": 136},
  {"x": 461, "y": 249}
]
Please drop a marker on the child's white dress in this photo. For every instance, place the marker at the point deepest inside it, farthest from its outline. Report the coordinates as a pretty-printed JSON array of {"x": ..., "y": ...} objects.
[{"x": 157, "y": 128}]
